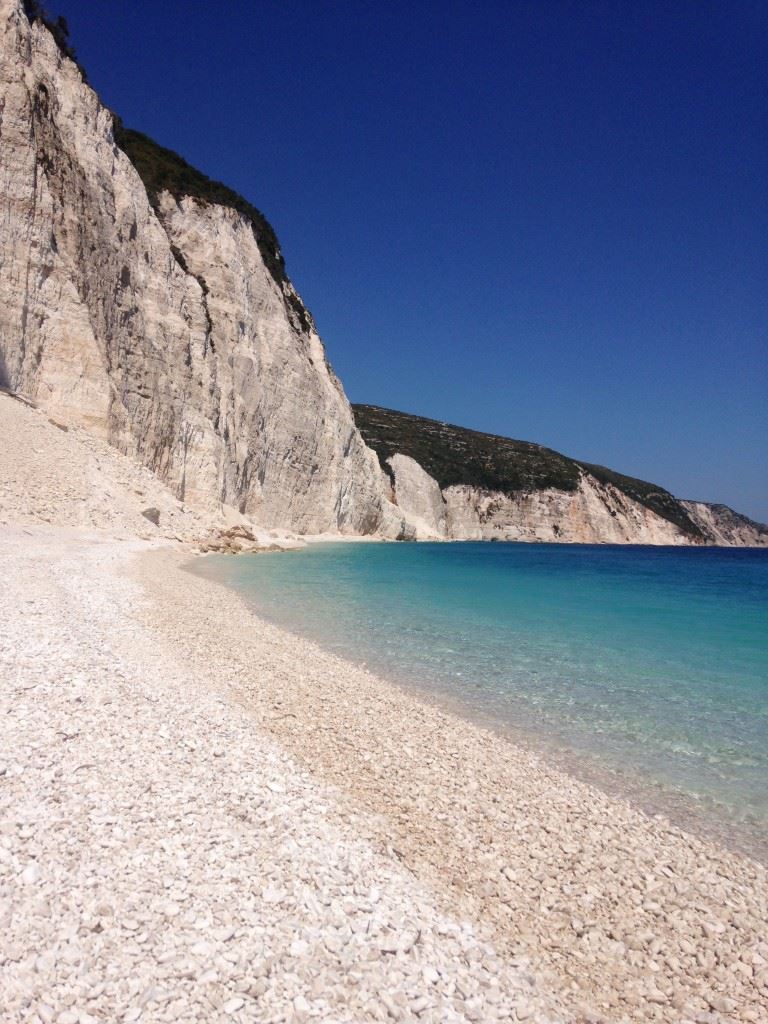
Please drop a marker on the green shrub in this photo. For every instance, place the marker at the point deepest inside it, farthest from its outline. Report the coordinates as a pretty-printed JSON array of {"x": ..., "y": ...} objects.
[
  {"x": 162, "y": 170},
  {"x": 455, "y": 455},
  {"x": 58, "y": 27}
]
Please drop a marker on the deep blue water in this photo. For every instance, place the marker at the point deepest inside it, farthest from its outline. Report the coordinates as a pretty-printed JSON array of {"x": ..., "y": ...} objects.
[{"x": 651, "y": 662}]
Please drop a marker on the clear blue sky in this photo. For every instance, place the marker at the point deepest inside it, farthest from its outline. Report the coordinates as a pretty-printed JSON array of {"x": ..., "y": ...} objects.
[{"x": 542, "y": 219}]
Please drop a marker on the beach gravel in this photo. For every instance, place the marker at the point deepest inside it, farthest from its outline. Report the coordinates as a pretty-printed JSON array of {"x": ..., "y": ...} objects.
[
  {"x": 204, "y": 818},
  {"x": 162, "y": 859},
  {"x": 623, "y": 915}
]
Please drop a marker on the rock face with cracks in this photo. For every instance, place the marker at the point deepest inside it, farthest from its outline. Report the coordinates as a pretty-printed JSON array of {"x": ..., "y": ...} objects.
[{"x": 160, "y": 328}]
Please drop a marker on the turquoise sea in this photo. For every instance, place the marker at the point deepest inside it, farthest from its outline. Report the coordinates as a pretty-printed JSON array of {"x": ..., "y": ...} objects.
[{"x": 643, "y": 669}]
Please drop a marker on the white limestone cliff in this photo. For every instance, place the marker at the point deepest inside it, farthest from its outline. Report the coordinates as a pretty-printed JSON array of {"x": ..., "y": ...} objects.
[
  {"x": 419, "y": 498},
  {"x": 163, "y": 332},
  {"x": 158, "y": 326},
  {"x": 725, "y": 527},
  {"x": 455, "y": 483},
  {"x": 595, "y": 513}
]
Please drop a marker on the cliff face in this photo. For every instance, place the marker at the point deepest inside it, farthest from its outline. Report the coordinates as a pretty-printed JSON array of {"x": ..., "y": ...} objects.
[
  {"x": 150, "y": 305},
  {"x": 158, "y": 325},
  {"x": 592, "y": 514},
  {"x": 457, "y": 484},
  {"x": 725, "y": 527}
]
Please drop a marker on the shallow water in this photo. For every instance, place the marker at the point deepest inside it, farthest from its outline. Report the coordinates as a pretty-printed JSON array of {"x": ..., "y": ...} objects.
[{"x": 649, "y": 665}]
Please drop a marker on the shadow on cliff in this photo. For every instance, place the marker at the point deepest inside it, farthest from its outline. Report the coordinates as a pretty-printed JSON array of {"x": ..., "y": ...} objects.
[{"x": 5, "y": 381}]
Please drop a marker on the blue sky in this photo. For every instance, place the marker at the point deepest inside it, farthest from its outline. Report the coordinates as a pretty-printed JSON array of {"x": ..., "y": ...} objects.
[{"x": 541, "y": 219}]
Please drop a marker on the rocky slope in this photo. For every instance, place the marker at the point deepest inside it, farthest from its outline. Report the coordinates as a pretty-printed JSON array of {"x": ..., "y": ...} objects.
[
  {"x": 65, "y": 477},
  {"x": 164, "y": 323},
  {"x": 454, "y": 483},
  {"x": 721, "y": 525}
]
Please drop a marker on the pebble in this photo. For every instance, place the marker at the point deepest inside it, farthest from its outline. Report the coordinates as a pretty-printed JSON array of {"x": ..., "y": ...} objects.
[
  {"x": 722, "y": 1004},
  {"x": 31, "y": 874},
  {"x": 301, "y": 1006},
  {"x": 654, "y": 996}
]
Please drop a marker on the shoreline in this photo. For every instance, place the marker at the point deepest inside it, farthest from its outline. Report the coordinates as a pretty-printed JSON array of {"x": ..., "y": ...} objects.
[
  {"x": 572, "y": 879},
  {"x": 163, "y": 859},
  {"x": 703, "y": 817},
  {"x": 203, "y": 817}
]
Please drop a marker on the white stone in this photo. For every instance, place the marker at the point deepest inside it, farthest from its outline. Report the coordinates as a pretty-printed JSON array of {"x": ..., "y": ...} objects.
[{"x": 31, "y": 874}]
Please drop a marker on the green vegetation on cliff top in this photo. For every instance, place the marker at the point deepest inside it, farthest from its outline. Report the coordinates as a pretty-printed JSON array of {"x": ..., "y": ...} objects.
[
  {"x": 455, "y": 455},
  {"x": 58, "y": 27},
  {"x": 162, "y": 170}
]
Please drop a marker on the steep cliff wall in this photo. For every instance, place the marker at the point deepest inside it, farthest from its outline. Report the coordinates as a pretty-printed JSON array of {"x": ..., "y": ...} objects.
[
  {"x": 458, "y": 484},
  {"x": 592, "y": 514},
  {"x": 721, "y": 525},
  {"x": 156, "y": 321}
]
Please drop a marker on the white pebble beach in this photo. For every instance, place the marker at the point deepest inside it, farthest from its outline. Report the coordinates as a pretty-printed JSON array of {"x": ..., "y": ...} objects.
[{"x": 204, "y": 818}]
